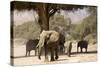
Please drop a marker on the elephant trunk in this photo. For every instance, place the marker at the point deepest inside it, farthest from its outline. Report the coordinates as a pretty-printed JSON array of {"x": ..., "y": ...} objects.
[
  {"x": 39, "y": 52},
  {"x": 40, "y": 46}
]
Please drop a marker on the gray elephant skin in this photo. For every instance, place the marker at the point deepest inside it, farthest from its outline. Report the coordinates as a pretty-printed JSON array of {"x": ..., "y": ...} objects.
[
  {"x": 31, "y": 45},
  {"x": 49, "y": 41},
  {"x": 61, "y": 43},
  {"x": 82, "y": 44},
  {"x": 68, "y": 48}
]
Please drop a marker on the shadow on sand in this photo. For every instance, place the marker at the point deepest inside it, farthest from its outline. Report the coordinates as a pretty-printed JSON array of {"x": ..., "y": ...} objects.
[
  {"x": 61, "y": 59},
  {"x": 73, "y": 53},
  {"x": 89, "y": 52},
  {"x": 22, "y": 56}
]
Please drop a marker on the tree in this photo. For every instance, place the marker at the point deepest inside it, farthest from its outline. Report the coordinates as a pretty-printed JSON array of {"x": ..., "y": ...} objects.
[
  {"x": 44, "y": 10},
  {"x": 88, "y": 26}
]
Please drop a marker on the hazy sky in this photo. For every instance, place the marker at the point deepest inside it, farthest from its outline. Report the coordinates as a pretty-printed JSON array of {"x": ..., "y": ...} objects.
[
  {"x": 24, "y": 16},
  {"x": 76, "y": 16}
]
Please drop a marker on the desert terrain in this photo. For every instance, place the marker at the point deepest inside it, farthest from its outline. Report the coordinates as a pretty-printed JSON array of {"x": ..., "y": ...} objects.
[{"x": 21, "y": 59}]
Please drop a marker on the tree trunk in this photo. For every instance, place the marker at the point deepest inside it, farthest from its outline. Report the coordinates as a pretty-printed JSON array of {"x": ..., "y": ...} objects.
[{"x": 43, "y": 16}]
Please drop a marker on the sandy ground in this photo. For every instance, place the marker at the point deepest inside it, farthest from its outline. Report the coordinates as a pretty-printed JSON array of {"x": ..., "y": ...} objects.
[{"x": 20, "y": 59}]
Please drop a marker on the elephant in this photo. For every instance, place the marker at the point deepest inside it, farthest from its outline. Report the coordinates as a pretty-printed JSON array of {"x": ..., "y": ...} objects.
[
  {"x": 31, "y": 45},
  {"x": 68, "y": 47},
  {"x": 82, "y": 44},
  {"x": 49, "y": 41},
  {"x": 61, "y": 43}
]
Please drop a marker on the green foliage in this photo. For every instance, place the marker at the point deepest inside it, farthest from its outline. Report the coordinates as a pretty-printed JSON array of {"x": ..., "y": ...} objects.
[
  {"x": 86, "y": 29},
  {"x": 88, "y": 26},
  {"x": 28, "y": 30},
  {"x": 92, "y": 38},
  {"x": 58, "y": 23},
  {"x": 31, "y": 30}
]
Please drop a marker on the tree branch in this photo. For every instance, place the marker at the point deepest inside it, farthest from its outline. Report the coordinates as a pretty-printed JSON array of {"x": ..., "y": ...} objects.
[{"x": 52, "y": 12}]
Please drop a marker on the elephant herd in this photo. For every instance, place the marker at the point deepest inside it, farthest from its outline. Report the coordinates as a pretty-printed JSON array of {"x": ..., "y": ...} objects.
[{"x": 50, "y": 42}]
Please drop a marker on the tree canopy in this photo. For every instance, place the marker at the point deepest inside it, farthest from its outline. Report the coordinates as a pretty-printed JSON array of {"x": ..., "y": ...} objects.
[
  {"x": 88, "y": 25},
  {"x": 46, "y": 12}
]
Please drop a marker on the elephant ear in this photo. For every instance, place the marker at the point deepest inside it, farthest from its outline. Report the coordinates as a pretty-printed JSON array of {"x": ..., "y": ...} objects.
[{"x": 43, "y": 36}]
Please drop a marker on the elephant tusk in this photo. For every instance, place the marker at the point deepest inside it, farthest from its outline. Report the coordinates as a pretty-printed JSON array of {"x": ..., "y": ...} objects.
[{"x": 37, "y": 46}]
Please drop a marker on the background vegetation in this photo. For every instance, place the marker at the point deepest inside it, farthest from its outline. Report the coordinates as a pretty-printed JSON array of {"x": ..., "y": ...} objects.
[{"x": 85, "y": 29}]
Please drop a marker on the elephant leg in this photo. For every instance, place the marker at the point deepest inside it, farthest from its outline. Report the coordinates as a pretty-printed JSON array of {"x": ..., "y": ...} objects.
[
  {"x": 68, "y": 52},
  {"x": 46, "y": 53},
  {"x": 26, "y": 53},
  {"x": 35, "y": 52},
  {"x": 52, "y": 54},
  {"x": 77, "y": 49},
  {"x": 56, "y": 53},
  {"x": 60, "y": 50},
  {"x": 29, "y": 52},
  {"x": 81, "y": 50},
  {"x": 70, "y": 48},
  {"x": 86, "y": 50},
  {"x": 64, "y": 50}
]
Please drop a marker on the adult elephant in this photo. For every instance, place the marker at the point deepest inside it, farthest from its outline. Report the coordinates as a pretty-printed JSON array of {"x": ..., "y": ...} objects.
[
  {"x": 49, "y": 41},
  {"x": 82, "y": 44},
  {"x": 61, "y": 43},
  {"x": 68, "y": 47}
]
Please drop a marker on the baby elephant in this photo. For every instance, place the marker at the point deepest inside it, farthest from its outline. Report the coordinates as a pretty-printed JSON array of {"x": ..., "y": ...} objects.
[
  {"x": 31, "y": 45},
  {"x": 82, "y": 44}
]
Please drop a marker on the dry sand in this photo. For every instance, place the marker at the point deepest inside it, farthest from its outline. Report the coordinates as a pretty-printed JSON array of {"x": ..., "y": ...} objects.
[{"x": 20, "y": 59}]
